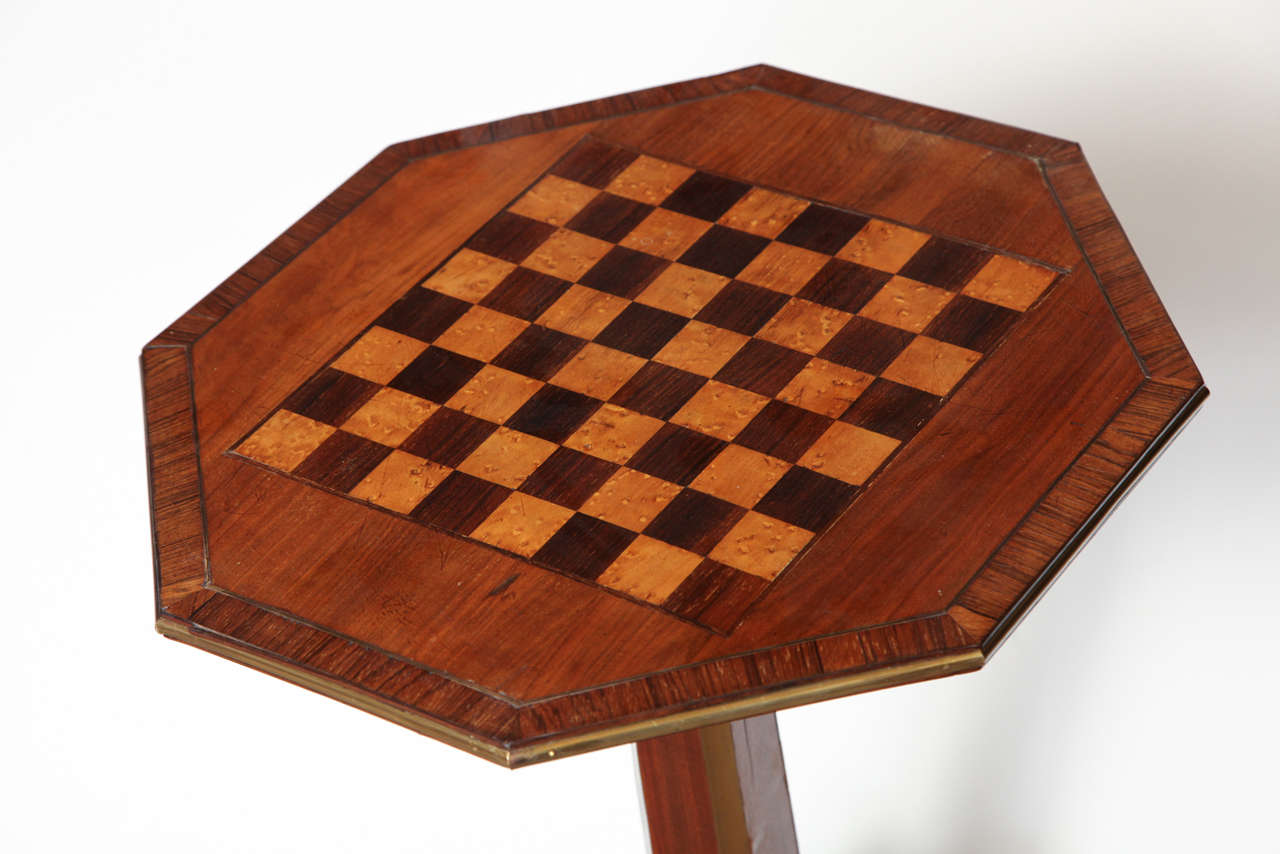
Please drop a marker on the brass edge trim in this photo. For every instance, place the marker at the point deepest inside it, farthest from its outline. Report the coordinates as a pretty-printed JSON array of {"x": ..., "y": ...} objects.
[
  {"x": 556, "y": 747},
  {"x": 332, "y": 688},
  {"x": 728, "y": 809}
]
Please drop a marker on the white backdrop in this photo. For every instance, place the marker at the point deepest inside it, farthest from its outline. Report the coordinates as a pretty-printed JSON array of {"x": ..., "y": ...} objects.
[{"x": 147, "y": 149}]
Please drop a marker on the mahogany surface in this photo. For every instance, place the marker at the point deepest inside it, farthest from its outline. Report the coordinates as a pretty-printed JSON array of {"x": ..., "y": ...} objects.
[
  {"x": 983, "y": 380},
  {"x": 721, "y": 789}
]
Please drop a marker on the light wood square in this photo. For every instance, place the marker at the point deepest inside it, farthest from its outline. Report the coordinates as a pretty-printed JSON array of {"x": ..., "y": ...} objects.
[
  {"x": 507, "y": 457},
  {"x": 804, "y": 326},
  {"x": 649, "y": 569},
  {"x": 848, "y": 453},
  {"x": 613, "y": 433},
  {"x": 720, "y": 410},
  {"x": 740, "y": 475},
  {"x": 1009, "y": 282},
  {"x": 400, "y": 482},
  {"x": 389, "y": 416},
  {"x": 665, "y": 233},
  {"x": 522, "y": 524},
  {"x": 934, "y": 366},
  {"x": 481, "y": 333},
  {"x": 649, "y": 180},
  {"x": 682, "y": 290},
  {"x": 379, "y": 355},
  {"x": 285, "y": 440},
  {"x": 583, "y": 312},
  {"x": 883, "y": 245},
  {"x": 494, "y": 394},
  {"x": 783, "y": 267},
  {"x": 761, "y": 545},
  {"x": 701, "y": 348},
  {"x": 469, "y": 275},
  {"x": 906, "y": 304},
  {"x": 567, "y": 255},
  {"x": 598, "y": 371},
  {"x": 825, "y": 387},
  {"x": 630, "y": 499},
  {"x": 554, "y": 200},
  {"x": 764, "y": 212}
]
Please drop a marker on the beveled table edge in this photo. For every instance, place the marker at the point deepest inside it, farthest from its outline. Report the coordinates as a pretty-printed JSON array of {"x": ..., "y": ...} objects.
[
  {"x": 559, "y": 746},
  {"x": 996, "y": 636}
]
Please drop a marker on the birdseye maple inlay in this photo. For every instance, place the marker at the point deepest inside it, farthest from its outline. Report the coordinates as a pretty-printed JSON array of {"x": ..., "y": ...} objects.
[{"x": 643, "y": 376}]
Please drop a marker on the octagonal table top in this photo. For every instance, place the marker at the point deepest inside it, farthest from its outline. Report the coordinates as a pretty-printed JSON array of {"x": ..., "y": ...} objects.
[{"x": 666, "y": 409}]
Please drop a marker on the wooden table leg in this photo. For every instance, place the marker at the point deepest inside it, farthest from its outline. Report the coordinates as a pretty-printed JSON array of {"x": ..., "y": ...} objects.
[{"x": 717, "y": 790}]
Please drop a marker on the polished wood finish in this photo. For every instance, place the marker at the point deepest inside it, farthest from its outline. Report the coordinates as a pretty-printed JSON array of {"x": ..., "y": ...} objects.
[
  {"x": 708, "y": 436},
  {"x": 1000, "y": 466},
  {"x": 717, "y": 790}
]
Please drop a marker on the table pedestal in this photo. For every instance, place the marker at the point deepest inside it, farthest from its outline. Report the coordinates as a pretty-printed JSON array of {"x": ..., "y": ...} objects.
[{"x": 717, "y": 790}]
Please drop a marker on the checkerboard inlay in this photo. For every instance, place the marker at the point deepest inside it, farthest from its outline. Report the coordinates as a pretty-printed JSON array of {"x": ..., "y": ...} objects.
[{"x": 651, "y": 378}]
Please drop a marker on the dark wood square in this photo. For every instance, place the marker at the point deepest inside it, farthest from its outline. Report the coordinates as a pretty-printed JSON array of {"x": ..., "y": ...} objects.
[
  {"x": 460, "y": 503},
  {"x": 892, "y": 409},
  {"x": 807, "y": 499},
  {"x": 784, "y": 431},
  {"x": 641, "y": 330},
  {"x": 658, "y": 390},
  {"x": 330, "y": 396},
  {"x": 972, "y": 323},
  {"x": 945, "y": 263},
  {"x": 448, "y": 436},
  {"x": 568, "y": 477},
  {"x": 823, "y": 229},
  {"x": 623, "y": 272},
  {"x": 676, "y": 454},
  {"x": 538, "y": 352},
  {"x": 724, "y": 251},
  {"x": 423, "y": 314},
  {"x": 706, "y": 196},
  {"x": 525, "y": 293},
  {"x": 742, "y": 307},
  {"x": 866, "y": 345},
  {"x": 593, "y": 163},
  {"x": 584, "y": 546},
  {"x": 510, "y": 237},
  {"x": 553, "y": 413},
  {"x": 610, "y": 217},
  {"x": 695, "y": 521},
  {"x": 844, "y": 285},
  {"x": 342, "y": 461},
  {"x": 762, "y": 367},
  {"x": 715, "y": 595},
  {"x": 436, "y": 374}
]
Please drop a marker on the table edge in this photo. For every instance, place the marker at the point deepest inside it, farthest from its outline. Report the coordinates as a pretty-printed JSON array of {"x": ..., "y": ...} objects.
[{"x": 559, "y": 746}]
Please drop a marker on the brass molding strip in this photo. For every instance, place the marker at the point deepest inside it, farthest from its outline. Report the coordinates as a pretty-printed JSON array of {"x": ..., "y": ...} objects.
[
  {"x": 559, "y": 746},
  {"x": 554, "y": 747},
  {"x": 180, "y": 631}
]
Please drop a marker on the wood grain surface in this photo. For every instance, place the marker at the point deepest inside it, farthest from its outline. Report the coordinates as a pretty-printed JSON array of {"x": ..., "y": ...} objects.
[
  {"x": 684, "y": 453},
  {"x": 324, "y": 576},
  {"x": 717, "y": 790}
]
